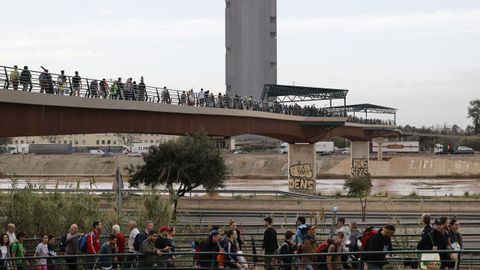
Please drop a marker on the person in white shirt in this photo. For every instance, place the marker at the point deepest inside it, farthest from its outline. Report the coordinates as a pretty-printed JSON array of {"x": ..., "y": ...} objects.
[
  {"x": 132, "y": 226},
  {"x": 11, "y": 231},
  {"x": 42, "y": 251}
]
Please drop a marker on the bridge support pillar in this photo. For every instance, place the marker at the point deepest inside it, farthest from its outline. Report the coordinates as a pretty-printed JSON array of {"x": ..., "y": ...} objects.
[
  {"x": 302, "y": 168},
  {"x": 360, "y": 155},
  {"x": 380, "y": 141}
]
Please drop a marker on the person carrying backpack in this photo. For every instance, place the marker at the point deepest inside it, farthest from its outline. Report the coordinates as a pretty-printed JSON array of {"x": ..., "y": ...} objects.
[
  {"x": 25, "y": 78},
  {"x": 310, "y": 247},
  {"x": 287, "y": 248},
  {"x": 211, "y": 244},
  {"x": 18, "y": 251},
  {"x": 334, "y": 262},
  {"x": 437, "y": 239},
  {"x": 380, "y": 242},
  {"x": 90, "y": 243},
  {"x": 301, "y": 231}
]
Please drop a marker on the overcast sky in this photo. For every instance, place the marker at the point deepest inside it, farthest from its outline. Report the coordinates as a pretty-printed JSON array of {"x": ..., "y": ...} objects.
[{"x": 420, "y": 56}]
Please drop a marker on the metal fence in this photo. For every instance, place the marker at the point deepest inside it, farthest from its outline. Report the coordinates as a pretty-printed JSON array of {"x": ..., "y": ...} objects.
[
  {"x": 49, "y": 83},
  {"x": 401, "y": 259}
]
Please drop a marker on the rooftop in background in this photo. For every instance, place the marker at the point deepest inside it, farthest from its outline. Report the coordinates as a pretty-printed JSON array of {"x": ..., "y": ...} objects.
[
  {"x": 289, "y": 93},
  {"x": 364, "y": 108}
]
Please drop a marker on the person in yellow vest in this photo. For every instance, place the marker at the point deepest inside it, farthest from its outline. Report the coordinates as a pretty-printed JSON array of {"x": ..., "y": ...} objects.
[{"x": 14, "y": 76}]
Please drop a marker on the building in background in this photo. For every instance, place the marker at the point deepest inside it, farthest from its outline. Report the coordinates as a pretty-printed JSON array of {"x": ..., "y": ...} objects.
[
  {"x": 108, "y": 142},
  {"x": 251, "y": 46},
  {"x": 84, "y": 142}
]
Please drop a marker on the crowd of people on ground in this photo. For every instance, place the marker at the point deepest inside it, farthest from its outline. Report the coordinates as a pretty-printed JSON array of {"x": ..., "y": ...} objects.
[
  {"x": 130, "y": 90},
  {"x": 300, "y": 249}
]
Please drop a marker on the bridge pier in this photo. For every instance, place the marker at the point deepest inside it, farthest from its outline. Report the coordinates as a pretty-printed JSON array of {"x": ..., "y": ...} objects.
[
  {"x": 380, "y": 141},
  {"x": 360, "y": 154},
  {"x": 302, "y": 168}
]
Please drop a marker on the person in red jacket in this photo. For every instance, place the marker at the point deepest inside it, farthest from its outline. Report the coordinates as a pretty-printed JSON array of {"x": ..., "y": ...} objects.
[
  {"x": 120, "y": 241},
  {"x": 93, "y": 243}
]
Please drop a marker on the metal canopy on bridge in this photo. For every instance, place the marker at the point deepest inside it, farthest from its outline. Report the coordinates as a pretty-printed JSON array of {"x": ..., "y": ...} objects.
[
  {"x": 365, "y": 108},
  {"x": 289, "y": 93}
]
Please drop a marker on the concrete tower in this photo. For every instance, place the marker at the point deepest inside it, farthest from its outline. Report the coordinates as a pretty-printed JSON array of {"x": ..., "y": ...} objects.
[{"x": 251, "y": 46}]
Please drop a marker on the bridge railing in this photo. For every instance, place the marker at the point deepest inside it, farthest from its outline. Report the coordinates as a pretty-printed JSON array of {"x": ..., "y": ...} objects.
[
  {"x": 91, "y": 88},
  {"x": 401, "y": 259}
]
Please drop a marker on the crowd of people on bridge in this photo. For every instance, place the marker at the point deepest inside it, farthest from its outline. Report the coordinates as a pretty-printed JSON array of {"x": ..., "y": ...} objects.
[
  {"x": 62, "y": 84},
  {"x": 226, "y": 247},
  {"x": 73, "y": 85}
]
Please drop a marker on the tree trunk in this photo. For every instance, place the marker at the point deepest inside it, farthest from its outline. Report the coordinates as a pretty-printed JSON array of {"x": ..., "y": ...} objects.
[
  {"x": 363, "y": 204},
  {"x": 174, "y": 201}
]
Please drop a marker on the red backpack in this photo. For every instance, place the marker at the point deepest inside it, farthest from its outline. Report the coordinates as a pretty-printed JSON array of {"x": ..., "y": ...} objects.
[
  {"x": 366, "y": 237},
  {"x": 323, "y": 246}
]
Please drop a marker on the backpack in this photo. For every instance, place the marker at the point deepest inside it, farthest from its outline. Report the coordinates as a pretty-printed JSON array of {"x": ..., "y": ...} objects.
[
  {"x": 304, "y": 233},
  {"x": 279, "y": 249},
  {"x": 323, "y": 246},
  {"x": 322, "y": 249},
  {"x": 83, "y": 242},
  {"x": 62, "y": 243},
  {"x": 369, "y": 232},
  {"x": 198, "y": 247}
]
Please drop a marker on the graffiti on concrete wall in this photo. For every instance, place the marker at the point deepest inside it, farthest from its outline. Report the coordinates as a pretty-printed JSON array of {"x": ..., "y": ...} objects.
[
  {"x": 301, "y": 177},
  {"x": 359, "y": 166}
]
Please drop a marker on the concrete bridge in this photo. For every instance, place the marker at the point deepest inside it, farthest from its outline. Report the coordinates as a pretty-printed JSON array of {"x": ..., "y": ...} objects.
[{"x": 35, "y": 114}]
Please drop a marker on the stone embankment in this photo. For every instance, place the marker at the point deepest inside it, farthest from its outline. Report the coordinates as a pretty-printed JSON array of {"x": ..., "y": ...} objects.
[{"x": 255, "y": 166}]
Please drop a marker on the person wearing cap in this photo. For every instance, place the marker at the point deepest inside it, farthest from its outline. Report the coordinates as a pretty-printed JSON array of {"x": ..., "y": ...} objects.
[
  {"x": 25, "y": 78},
  {"x": 14, "y": 77},
  {"x": 165, "y": 246},
  {"x": 437, "y": 239},
  {"x": 210, "y": 245},
  {"x": 309, "y": 246},
  {"x": 379, "y": 242}
]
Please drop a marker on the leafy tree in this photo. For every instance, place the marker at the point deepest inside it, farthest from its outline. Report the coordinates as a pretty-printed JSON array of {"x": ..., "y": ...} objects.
[
  {"x": 474, "y": 113},
  {"x": 469, "y": 130},
  {"x": 360, "y": 187},
  {"x": 181, "y": 166}
]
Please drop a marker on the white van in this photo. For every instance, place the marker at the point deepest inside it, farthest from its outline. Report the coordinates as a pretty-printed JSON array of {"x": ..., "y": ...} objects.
[{"x": 97, "y": 152}]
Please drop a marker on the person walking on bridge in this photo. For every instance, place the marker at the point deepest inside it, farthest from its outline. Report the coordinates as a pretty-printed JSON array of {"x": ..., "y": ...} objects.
[
  {"x": 142, "y": 90},
  {"x": 14, "y": 77},
  {"x": 77, "y": 84},
  {"x": 25, "y": 78},
  {"x": 61, "y": 82},
  {"x": 104, "y": 88}
]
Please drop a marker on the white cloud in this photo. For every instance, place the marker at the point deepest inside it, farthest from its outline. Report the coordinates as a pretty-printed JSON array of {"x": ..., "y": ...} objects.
[
  {"x": 49, "y": 55},
  {"x": 104, "y": 12},
  {"x": 442, "y": 20}
]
